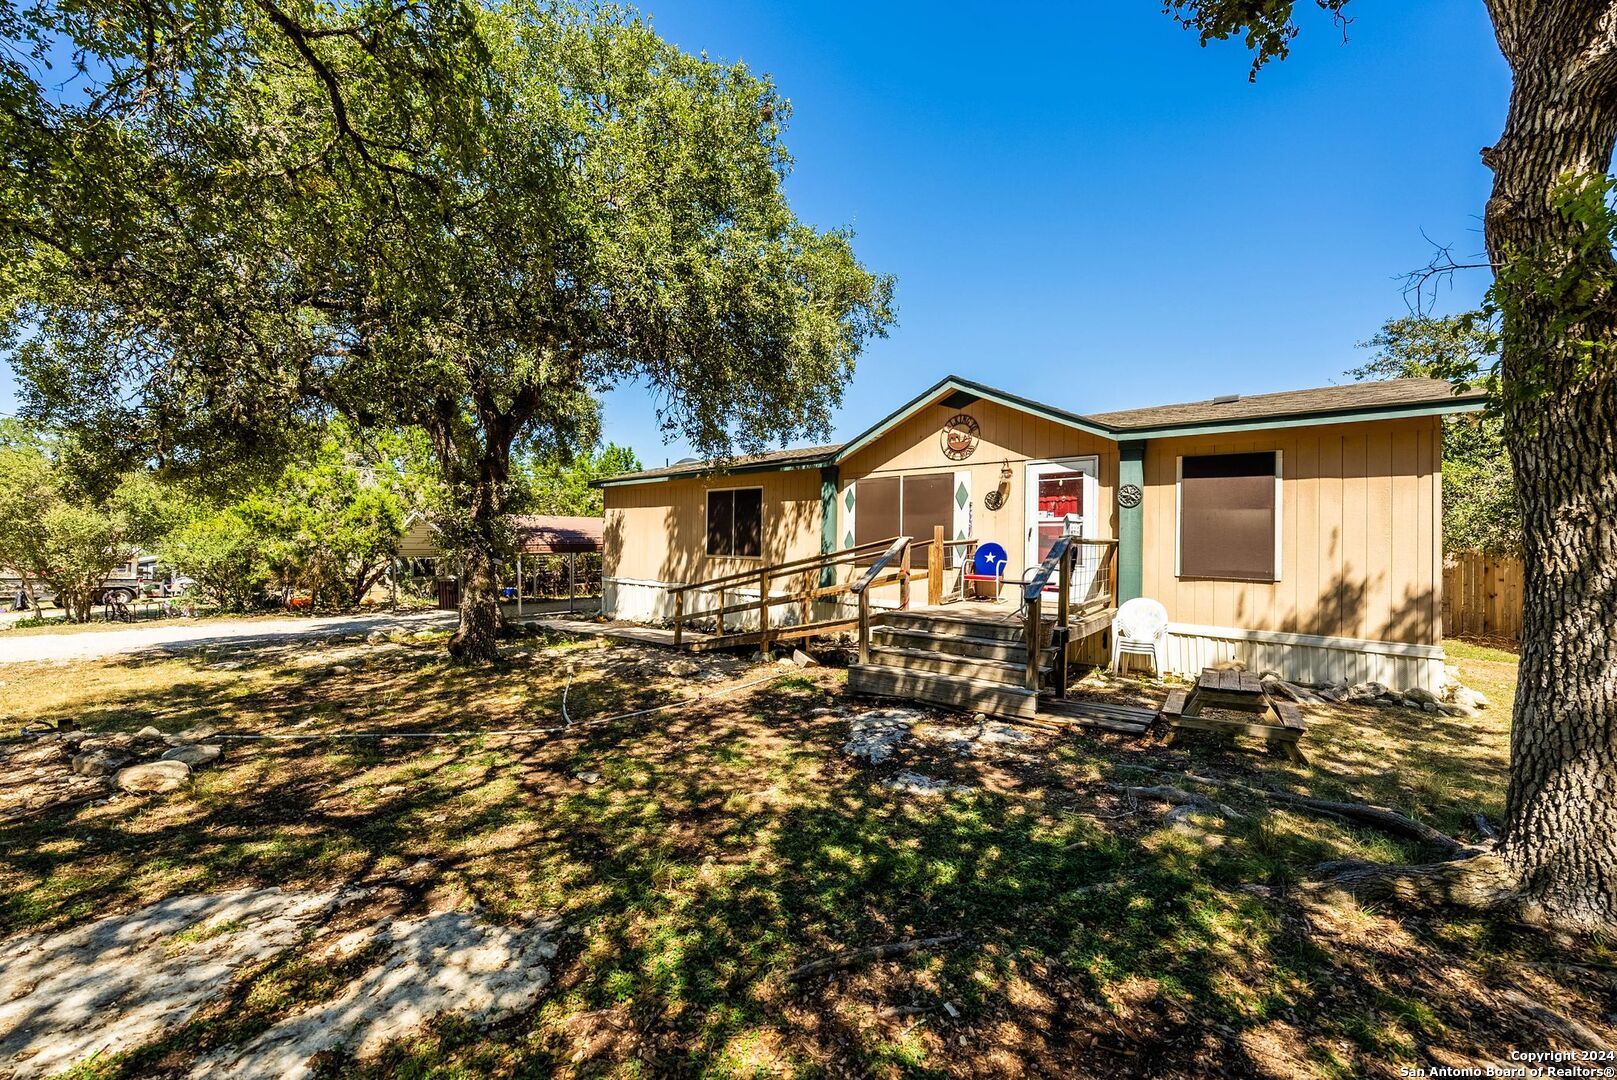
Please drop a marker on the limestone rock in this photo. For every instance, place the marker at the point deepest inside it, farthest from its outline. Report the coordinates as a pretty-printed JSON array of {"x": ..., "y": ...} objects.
[
  {"x": 1418, "y": 696},
  {"x": 803, "y": 659},
  {"x": 376, "y": 637},
  {"x": 914, "y": 783},
  {"x": 148, "y": 732},
  {"x": 98, "y": 762},
  {"x": 1335, "y": 693},
  {"x": 1366, "y": 693},
  {"x": 193, "y": 754},
  {"x": 875, "y": 735},
  {"x": 154, "y": 777}
]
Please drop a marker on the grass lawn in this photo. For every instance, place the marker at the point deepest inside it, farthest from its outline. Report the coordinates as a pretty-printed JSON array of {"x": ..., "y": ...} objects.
[{"x": 730, "y": 839}]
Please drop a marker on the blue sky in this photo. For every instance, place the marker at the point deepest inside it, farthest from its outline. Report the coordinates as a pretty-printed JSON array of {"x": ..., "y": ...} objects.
[{"x": 1081, "y": 205}]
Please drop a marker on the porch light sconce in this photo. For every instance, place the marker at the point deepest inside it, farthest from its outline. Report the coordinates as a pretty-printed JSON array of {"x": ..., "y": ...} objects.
[{"x": 996, "y": 498}]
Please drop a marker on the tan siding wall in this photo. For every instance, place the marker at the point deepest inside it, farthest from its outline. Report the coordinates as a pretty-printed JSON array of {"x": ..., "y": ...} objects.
[
  {"x": 658, "y": 532},
  {"x": 1360, "y": 549},
  {"x": 914, "y": 446}
]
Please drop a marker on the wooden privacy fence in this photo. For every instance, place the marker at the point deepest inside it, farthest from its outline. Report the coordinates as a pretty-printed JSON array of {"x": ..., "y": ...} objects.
[{"x": 1482, "y": 595}]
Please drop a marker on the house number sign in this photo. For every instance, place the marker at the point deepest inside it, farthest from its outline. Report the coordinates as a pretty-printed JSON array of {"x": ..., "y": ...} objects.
[
  {"x": 1129, "y": 495},
  {"x": 960, "y": 437}
]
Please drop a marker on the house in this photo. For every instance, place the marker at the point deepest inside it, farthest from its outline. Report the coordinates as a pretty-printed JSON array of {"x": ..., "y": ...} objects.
[{"x": 1299, "y": 531}]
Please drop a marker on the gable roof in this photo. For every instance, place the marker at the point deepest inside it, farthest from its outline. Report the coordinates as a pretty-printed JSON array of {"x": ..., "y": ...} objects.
[
  {"x": 1352, "y": 402},
  {"x": 966, "y": 391}
]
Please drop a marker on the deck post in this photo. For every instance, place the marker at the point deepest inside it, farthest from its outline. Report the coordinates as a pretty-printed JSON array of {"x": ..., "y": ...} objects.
[
  {"x": 934, "y": 568},
  {"x": 864, "y": 626},
  {"x": 519, "y": 584},
  {"x": 572, "y": 579},
  {"x": 763, "y": 612},
  {"x": 679, "y": 617},
  {"x": 1034, "y": 620},
  {"x": 1064, "y": 583},
  {"x": 904, "y": 579}
]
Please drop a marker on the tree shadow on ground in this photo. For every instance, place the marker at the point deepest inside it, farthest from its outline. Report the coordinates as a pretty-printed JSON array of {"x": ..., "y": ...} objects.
[{"x": 726, "y": 841}]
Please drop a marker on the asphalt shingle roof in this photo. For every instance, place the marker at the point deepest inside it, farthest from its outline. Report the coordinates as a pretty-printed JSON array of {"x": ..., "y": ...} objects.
[{"x": 1325, "y": 399}]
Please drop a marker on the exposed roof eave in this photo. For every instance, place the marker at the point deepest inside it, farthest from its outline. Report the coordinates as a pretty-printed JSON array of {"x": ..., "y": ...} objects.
[{"x": 706, "y": 469}]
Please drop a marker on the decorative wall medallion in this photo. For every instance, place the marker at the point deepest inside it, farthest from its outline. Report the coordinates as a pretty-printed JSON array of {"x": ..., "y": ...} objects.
[
  {"x": 960, "y": 437},
  {"x": 1129, "y": 496}
]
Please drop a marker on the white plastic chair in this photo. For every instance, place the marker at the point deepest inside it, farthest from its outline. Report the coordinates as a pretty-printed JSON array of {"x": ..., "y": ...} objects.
[{"x": 1140, "y": 628}]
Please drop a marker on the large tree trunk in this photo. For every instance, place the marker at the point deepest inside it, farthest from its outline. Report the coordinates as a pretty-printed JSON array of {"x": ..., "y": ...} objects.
[
  {"x": 479, "y": 539},
  {"x": 1561, "y": 820},
  {"x": 481, "y": 620}
]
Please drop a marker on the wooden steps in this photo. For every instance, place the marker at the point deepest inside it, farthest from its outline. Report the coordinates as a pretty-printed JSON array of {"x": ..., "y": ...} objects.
[
  {"x": 953, "y": 691},
  {"x": 938, "y": 662},
  {"x": 967, "y": 645},
  {"x": 974, "y": 661}
]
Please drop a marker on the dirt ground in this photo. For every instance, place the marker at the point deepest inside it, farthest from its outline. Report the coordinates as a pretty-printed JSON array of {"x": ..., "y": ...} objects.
[{"x": 681, "y": 861}]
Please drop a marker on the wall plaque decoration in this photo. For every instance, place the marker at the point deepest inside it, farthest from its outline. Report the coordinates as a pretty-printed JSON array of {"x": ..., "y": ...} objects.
[
  {"x": 960, "y": 437},
  {"x": 1129, "y": 496}
]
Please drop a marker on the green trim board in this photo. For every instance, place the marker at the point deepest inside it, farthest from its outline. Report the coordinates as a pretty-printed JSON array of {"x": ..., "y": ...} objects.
[{"x": 1131, "y": 522}]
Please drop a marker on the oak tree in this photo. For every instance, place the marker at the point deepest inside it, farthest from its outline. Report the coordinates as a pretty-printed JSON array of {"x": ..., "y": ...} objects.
[
  {"x": 465, "y": 220},
  {"x": 1550, "y": 229}
]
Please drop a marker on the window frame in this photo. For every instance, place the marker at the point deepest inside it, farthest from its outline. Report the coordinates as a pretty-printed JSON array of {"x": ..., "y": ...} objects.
[
  {"x": 1179, "y": 516},
  {"x": 707, "y": 516},
  {"x": 951, "y": 559}
]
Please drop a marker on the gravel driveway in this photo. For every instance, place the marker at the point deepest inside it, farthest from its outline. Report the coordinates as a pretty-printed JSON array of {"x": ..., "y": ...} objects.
[{"x": 179, "y": 635}]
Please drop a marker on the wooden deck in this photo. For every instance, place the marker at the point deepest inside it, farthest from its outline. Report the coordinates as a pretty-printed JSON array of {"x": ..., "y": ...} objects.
[{"x": 1000, "y": 658}]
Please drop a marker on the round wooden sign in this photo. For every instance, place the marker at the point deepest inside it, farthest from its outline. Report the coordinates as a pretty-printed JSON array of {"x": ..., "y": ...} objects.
[{"x": 960, "y": 437}]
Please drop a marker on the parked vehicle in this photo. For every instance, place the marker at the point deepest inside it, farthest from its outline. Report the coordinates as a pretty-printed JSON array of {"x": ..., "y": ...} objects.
[{"x": 136, "y": 578}]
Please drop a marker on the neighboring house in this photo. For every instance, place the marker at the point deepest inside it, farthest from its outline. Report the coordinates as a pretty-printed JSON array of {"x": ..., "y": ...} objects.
[
  {"x": 1299, "y": 530},
  {"x": 534, "y": 535}
]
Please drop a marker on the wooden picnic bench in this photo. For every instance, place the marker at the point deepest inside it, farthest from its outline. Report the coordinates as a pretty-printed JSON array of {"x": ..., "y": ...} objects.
[{"x": 1278, "y": 723}]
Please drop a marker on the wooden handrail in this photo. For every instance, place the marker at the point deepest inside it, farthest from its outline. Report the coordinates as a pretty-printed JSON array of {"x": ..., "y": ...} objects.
[
  {"x": 883, "y": 571},
  {"x": 1058, "y": 563},
  {"x": 830, "y": 558},
  {"x": 1034, "y": 587},
  {"x": 894, "y": 549}
]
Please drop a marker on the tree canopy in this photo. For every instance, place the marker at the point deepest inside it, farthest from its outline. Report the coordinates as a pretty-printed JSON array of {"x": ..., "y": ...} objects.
[
  {"x": 466, "y": 220},
  {"x": 58, "y": 530}
]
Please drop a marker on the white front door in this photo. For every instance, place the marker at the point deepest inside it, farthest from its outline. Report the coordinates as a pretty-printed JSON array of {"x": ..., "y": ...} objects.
[{"x": 1061, "y": 501}]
